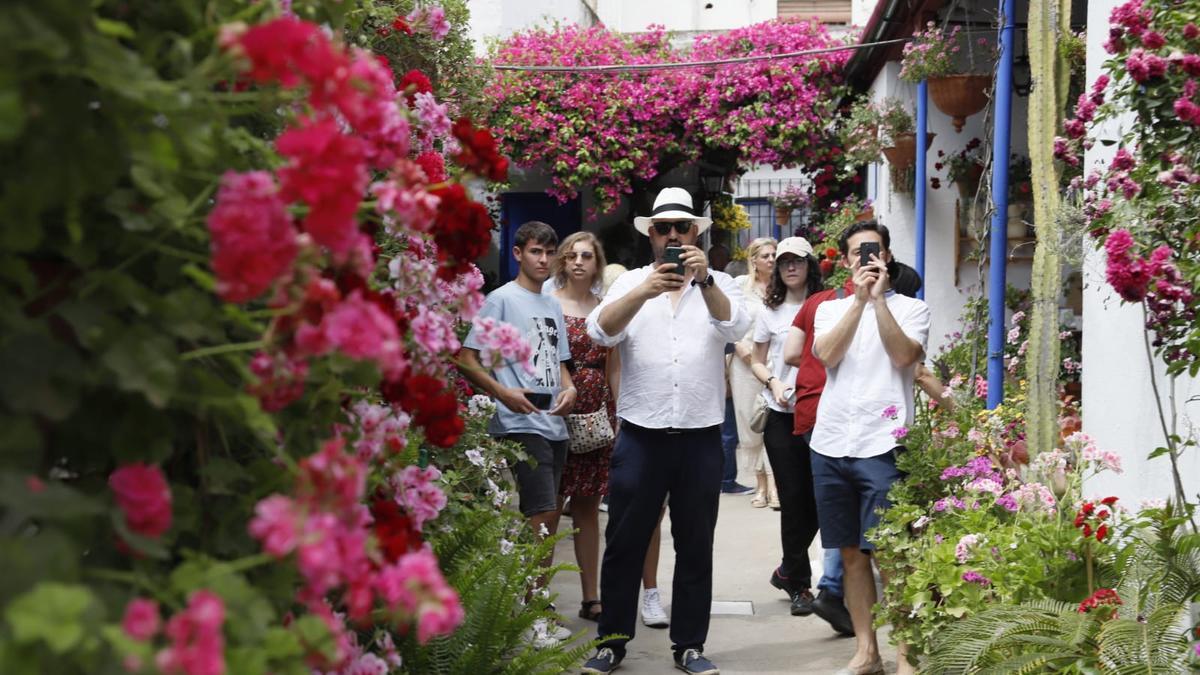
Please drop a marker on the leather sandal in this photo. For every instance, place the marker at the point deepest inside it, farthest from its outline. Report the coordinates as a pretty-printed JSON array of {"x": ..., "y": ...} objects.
[
  {"x": 590, "y": 610},
  {"x": 759, "y": 500}
]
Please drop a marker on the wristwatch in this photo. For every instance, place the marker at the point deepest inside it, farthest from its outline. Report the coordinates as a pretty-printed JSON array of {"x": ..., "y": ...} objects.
[{"x": 707, "y": 283}]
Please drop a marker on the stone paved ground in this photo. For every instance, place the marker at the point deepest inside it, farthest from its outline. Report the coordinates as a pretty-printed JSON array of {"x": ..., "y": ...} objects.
[{"x": 765, "y": 642}]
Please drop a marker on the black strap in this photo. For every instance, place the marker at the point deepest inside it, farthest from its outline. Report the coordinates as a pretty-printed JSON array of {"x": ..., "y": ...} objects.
[{"x": 673, "y": 207}]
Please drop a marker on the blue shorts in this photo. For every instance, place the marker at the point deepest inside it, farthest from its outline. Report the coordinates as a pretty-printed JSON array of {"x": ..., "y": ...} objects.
[{"x": 849, "y": 491}]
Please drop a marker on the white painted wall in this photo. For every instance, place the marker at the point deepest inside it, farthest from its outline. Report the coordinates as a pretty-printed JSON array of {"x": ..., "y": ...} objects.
[
  {"x": 898, "y": 211},
  {"x": 1119, "y": 408},
  {"x": 492, "y": 19},
  {"x": 860, "y": 11},
  {"x": 633, "y": 16}
]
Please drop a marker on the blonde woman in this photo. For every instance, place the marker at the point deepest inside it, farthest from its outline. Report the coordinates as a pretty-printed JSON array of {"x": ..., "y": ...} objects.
[
  {"x": 746, "y": 388},
  {"x": 577, "y": 272}
]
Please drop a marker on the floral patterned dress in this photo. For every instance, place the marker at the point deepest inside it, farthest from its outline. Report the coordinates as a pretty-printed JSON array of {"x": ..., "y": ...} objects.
[{"x": 586, "y": 475}]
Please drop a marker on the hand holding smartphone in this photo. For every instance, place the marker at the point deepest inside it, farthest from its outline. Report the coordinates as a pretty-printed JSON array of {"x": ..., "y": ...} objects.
[
  {"x": 540, "y": 400},
  {"x": 865, "y": 251},
  {"x": 674, "y": 254}
]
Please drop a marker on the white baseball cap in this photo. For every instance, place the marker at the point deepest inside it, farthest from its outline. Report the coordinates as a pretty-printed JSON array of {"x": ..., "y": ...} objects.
[{"x": 797, "y": 246}]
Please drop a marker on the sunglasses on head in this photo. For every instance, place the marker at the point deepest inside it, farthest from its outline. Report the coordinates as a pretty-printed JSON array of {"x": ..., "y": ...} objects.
[{"x": 663, "y": 227}]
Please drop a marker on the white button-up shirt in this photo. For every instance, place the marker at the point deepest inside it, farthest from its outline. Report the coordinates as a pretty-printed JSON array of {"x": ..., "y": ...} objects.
[
  {"x": 851, "y": 419},
  {"x": 672, "y": 361}
]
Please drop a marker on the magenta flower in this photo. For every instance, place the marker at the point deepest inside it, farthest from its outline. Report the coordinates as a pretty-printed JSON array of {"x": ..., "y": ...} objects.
[
  {"x": 141, "y": 621},
  {"x": 973, "y": 577}
]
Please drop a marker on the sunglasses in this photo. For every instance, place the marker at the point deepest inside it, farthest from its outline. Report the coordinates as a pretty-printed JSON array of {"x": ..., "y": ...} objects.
[
  {"x": 582, "y": 255},
  {"x": 663, "y": 227}
]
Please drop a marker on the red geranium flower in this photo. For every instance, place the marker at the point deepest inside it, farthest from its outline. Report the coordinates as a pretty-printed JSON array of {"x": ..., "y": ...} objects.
[
  {"x": 479, "y": 151},
  {"x": 144, "y": 497},
  {"x": 394, "y": 530},
  {"x": 462, "y": 230},
  {"x": 414, "y": 82}
]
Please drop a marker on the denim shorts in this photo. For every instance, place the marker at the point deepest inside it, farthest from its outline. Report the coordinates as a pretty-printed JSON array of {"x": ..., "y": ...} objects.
[
  {"x": 537, "y": 484},
  {"x": 849, "y": 491}
]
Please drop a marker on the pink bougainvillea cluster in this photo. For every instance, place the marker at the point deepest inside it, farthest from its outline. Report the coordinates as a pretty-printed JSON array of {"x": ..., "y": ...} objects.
[
  {"x": 1141, "y": 207},
  {"x": 604, "y": 131}
]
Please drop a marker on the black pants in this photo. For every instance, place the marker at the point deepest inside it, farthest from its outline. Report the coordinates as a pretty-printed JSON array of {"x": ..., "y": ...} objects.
[
  {"x": 649, "y": 466},
  {"x": 792, "y": 465}
]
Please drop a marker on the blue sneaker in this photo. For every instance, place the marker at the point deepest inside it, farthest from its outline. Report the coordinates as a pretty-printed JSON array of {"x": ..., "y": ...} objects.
[
  {"x": 605, "y": 661},
  {"x": 735, "y": 488},
  {"x": 692, "y": 661}
]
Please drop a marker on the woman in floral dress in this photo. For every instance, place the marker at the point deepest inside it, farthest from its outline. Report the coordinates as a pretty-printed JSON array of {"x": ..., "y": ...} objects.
[{"x": 577, "y": 275}]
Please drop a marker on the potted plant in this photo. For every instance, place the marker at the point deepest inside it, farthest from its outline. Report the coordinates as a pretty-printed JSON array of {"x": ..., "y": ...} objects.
[
  {"x": 787, "y": 200},
  {"x": 933, "y": 55},
  {"x": 964, "y": 169},
  {"x": 858, "y": 135},
  {"x": 899, "y": 137}
]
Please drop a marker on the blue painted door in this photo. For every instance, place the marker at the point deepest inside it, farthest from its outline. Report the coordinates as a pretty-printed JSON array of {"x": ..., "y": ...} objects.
[{"x": 518, "y": 208}]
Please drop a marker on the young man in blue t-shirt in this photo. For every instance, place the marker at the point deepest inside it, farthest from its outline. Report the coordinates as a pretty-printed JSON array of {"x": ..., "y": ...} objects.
[{"x": 530, "y": 405}]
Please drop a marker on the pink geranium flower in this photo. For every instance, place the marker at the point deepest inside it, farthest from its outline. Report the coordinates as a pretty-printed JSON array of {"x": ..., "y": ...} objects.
[
  {"x": 144, "y": 497},
  {"x": 141, "y": 621}
]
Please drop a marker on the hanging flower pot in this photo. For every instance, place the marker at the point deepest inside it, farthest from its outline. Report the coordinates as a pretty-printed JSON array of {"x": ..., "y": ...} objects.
[
  {"x": 783, "y": 215},
  {"x": 959, "y": 96},
  {"x": 903, "y": 153}
]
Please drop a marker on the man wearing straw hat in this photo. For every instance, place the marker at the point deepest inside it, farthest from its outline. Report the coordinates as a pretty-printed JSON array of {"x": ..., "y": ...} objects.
[{"x": 671, "y": 326}]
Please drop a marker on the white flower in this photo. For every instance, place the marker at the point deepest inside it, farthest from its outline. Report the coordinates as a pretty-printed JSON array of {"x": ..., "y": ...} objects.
[
  {"x": 475, "y": 456},
  {"x": 543, "y": 530},
  {"x": 506, "y": 547}
]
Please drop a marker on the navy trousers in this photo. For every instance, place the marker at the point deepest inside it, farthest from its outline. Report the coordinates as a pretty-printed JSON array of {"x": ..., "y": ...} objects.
[{"x": 648, "y": 467}]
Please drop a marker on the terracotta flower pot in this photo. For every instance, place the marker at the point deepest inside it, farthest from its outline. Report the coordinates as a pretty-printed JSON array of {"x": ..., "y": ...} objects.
[
  {"x": 783, "y": 215},
  {"x": 903, "y": 153},
  {"x": 959, "y": 96},
  {"x": 968, "y": 185}
]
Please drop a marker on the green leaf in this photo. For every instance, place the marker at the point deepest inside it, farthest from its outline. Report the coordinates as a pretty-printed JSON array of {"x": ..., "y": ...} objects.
[
  {"x": 53, "y": 613},
  {"x": 12, "y": 113},
  {"x": 144, "y": 362},
  {"x": 36, "y": 376},
  {"x": 1158, "y": 452},
  {"x": 54, "y": 501},
  {"x": 117, "y": 29}
]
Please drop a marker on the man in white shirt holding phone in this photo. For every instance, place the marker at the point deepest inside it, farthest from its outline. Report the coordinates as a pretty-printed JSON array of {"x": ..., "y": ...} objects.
[
  {"x": 870, "y": 344},
  {"x": 671, "y": 326}
]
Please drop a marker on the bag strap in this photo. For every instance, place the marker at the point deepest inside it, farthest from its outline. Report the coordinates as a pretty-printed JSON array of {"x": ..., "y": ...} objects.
[{"x": 841, "y": 292}]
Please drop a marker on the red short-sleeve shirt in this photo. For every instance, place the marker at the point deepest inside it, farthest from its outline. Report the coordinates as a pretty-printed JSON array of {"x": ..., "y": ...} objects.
[{"x": 810, "y": 377}]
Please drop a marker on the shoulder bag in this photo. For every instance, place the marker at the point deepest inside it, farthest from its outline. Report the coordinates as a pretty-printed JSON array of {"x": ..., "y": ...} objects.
[{"x": 589, "y": 432}]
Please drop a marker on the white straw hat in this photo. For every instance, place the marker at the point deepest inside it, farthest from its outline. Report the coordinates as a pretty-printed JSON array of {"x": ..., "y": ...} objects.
[{"x": 673, "y": 203}]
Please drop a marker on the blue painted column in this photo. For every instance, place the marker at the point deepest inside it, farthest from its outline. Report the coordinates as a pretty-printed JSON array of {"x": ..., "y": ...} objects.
[
  {"x": 998, "y": 245},
  {"x": 920, "y": 191}
]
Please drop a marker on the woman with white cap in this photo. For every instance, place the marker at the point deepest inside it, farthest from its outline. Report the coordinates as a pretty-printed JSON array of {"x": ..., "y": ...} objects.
[
  {"x": 796, "y": 276},
  {"x": 745, "y": 387}
]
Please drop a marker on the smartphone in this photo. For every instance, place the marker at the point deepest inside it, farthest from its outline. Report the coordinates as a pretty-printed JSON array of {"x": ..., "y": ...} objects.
[
  {"x": 865, "y": 251},
  {"x": 541, "y": 401},
  {"x": 673, "y": 255}
]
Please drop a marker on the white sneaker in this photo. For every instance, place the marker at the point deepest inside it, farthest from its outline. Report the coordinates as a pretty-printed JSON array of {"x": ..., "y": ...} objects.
[
  {"x": 543, "y": 634},
  {"x": 652, "y": 609}
]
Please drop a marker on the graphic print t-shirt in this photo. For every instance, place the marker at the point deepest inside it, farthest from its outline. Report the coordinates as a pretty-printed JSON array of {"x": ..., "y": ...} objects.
[{"x": 539, "y": 318}]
